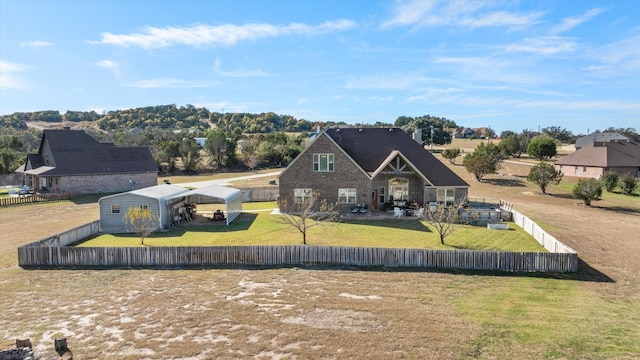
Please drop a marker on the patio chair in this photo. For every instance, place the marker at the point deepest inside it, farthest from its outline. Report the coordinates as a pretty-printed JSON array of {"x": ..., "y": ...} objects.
[
  {"x": 397, "y": 212},
  {"x": 419, "y": 212}
]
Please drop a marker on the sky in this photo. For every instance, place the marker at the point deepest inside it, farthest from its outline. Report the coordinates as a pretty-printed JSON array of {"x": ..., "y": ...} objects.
[{"x": 509, "y": 65}]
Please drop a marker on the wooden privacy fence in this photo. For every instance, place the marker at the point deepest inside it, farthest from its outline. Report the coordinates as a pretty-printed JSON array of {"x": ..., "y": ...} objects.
[
  {"x": 55, "y": 252},
  {"x": 35, "y": 198},
  {"x": 290, "y": 255}
]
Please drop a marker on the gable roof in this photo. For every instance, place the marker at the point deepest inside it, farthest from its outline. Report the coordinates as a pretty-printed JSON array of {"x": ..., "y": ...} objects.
[
  {"x": 77, "y": 153},
  {"x": 371, "y": 148},
  {"x": 599, "y": 137},
  {"x": 605, "y": 154}
]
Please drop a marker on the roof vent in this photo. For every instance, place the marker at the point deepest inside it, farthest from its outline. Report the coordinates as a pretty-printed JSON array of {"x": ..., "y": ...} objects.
[
  {"x": 338, "y": 130},
  {"x": 390, "y": 129},
  {"x": 360, "y": 129}
]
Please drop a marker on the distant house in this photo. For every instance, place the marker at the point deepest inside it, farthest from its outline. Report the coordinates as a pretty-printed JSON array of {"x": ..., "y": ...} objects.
[
  {"x": 595, "y": 158},
  {"x": 462, "y": 133},
  {"x": 375, "y": 167},
  {"x": 73, "y": 161},
  {"x": 599, "y": 137}
]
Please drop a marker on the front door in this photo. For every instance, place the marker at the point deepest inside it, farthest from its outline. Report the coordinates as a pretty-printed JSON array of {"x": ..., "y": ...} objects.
[{"x": 374, "y": 199}]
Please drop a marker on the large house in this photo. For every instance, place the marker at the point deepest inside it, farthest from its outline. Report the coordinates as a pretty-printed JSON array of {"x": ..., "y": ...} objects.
[
  {"x": 73, "y": 161},
  {"x": 595, "y": 158},
  {"x": 374, "y": 167},
  {"x": 599, "y": 137}
]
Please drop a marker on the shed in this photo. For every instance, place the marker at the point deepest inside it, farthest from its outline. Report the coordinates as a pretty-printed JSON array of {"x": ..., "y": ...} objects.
[
  {"x": 160, "y": 199},
  {"x": 232, "y": 198}
]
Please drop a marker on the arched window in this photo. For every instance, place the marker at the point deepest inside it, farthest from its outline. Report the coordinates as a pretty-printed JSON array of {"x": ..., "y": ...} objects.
[{"x": 399, "y": 189}]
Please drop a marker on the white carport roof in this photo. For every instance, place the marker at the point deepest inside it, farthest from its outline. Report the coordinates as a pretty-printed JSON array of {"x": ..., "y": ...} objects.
[{"x": 232, "y": 198}]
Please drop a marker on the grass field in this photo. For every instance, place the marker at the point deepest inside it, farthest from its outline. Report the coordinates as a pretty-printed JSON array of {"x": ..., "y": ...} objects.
[
  {"x": 340, "y": 313},
  {"x": 261, "y": 228}
]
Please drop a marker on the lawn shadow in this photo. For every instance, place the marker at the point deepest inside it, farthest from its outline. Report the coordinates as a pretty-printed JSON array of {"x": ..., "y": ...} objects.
[
  {"x": 504, "y": 182},
  {"x": 619, "y": 209},
  {"x": 563, "y": 196},
  {"x": 585, "y": 272},
  {"x": 88, "y": 198},
  {"x": 242, "y": 223},
  {"x": 393, "y": 224}
]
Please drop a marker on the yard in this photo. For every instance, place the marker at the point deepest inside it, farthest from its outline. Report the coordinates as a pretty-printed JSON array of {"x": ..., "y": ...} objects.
[
  {"x": 261, "y": 228},
  {"x": 339, "y": 313}
]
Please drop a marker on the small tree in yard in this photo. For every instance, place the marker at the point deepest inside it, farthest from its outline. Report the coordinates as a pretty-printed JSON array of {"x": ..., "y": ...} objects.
[
  {"x": 542, "y": 147},
  {"x": 311, "y": 212},
  {"x": 587, "y": 190},
  {"x": 610, "y": 181},
  {"x": 628, "y": 184},
  {"x": 451, "y": 154},
  {"x": 444, "y": 219},
  {"x": 544, "y": 174},
  {"x": 142, "y": 220}
]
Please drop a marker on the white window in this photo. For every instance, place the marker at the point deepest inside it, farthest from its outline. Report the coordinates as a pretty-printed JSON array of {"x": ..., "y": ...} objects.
[
  {"x": 144, "y": 207},
  {"x": 446, "y": 195},
  {"x": 322, "y": 162},
  {"x": 347, "y": 196},
  {"x": 301, "y": 195},
  {"x": 115, "y": 209}
]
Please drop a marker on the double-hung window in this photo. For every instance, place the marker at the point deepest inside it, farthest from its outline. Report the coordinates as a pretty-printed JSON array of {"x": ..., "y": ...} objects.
[
  {"x": 301, "y": 195},
  {"x": 322, "y": 162},
  {"x": 346, "y": 195},
  {"x": 115, "y": 209}
]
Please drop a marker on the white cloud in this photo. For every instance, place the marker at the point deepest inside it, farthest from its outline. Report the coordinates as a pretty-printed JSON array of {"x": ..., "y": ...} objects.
[
  {"x": 545, "y": 45},
  {"x": 170, "y": 83},
  {"x": 239, "y": 73},
  {"x": 464, "y": 13},
  {"x": 9, "y": 78},
  {"x": 36, "y": 44},
  {"x": 384, "y": 82},
  {"x": 207, "y": 35},
  {"x": 573, "y": 21},
  {"x": 110, "y": 65},
  {"x": 620, "y": 58}
]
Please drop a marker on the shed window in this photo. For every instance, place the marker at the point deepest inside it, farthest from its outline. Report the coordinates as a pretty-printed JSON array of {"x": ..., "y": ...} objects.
[
  {"x": 322, "y": 162},
  {"x": 115, "y": 209}
]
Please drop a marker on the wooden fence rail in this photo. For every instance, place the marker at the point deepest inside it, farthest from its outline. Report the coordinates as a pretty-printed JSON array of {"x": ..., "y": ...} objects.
[
  {"x": 290, "y": 255},
  {"x": 35, "y": 198}
]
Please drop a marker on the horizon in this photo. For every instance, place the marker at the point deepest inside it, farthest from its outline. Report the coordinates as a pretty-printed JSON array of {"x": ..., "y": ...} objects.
[{"x": 504, "y": 65}]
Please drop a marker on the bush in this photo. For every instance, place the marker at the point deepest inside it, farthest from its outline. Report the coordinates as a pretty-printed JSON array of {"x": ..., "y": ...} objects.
[
  {"x": 542, "y": 147},
  {"x": 588, "y": 190},
  {"x": 544, "y": 174},
  {"x": 628, "y": 184},
  {"x": 610, "y": 181},
  {"x": 451, "y": 154}
]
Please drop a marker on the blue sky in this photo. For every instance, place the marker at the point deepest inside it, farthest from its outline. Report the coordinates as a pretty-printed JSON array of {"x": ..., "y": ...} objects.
[{"x": 511, "y": 65}]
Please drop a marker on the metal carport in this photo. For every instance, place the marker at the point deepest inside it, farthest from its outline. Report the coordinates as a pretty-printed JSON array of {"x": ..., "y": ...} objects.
[{"x": 232, "y": 198}]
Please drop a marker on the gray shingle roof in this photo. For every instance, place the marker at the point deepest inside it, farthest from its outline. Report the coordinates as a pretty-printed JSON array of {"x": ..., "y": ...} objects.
[
  {"x": 599, "y": 137},
  {"x": 370, "y": 147},
  {"x": 77, "y": 153}
]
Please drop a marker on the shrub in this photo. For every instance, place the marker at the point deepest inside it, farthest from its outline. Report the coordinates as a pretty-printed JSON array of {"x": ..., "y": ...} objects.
[
  {"x": 544, "y": 174},
  {"x": 588, "y": 190},
  {"x": 610, "y": 181},
  {"x": 542, "y": 147},
  {"x": 628, "y": 184},
  {"x": 451, "y": 154}
]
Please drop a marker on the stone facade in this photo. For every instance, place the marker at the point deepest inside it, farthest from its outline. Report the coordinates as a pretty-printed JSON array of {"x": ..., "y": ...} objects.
[
  {"x": 346, "y": 174},
  {"x": 96, "y": 184}
]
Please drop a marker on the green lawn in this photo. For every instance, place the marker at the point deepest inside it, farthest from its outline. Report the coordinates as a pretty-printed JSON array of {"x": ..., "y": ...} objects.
[{"x": 261, "y": 228}]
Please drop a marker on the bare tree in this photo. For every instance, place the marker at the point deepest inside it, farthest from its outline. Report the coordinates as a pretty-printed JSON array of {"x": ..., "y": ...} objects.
[
  {"x": 142, "y": 220},
  {"x": 445, "y": 218},
  {"x": 311, "y": 212}
]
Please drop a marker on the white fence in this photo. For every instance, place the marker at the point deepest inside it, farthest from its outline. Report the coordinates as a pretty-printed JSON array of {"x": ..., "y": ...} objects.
[{"x": 544, "y": 238}]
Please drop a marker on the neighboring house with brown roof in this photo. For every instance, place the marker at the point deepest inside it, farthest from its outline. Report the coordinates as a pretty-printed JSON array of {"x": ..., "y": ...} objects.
[
  {"x": 594, "y": 159},
  {"x": 73, "y": 161},
  {"x": 370, "y": 166}
]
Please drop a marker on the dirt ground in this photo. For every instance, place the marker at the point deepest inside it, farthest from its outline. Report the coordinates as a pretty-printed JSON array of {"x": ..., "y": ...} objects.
[{"x": 335, "y": 313}]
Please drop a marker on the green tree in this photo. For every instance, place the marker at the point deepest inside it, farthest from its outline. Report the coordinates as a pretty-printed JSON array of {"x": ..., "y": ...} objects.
[
  {"x": 544, "y": 174},
  {"x": 542, "y": 147},
  {"x": 628, "y": 184},
  {"x": 484, "y": 160},
  {"x": 8, "y": 158},
  {"x": 451, "y": 154},
  {"x": 189, "y": 154},
  {"x": 610, "y": 180},
  {"x": 142, "y": 220},
  {"x": 587, "y": 190},
  {"x": 216, "y": 146},
  {"x": 510, "y": 146},
  {"x": 304, "y": 215}
]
